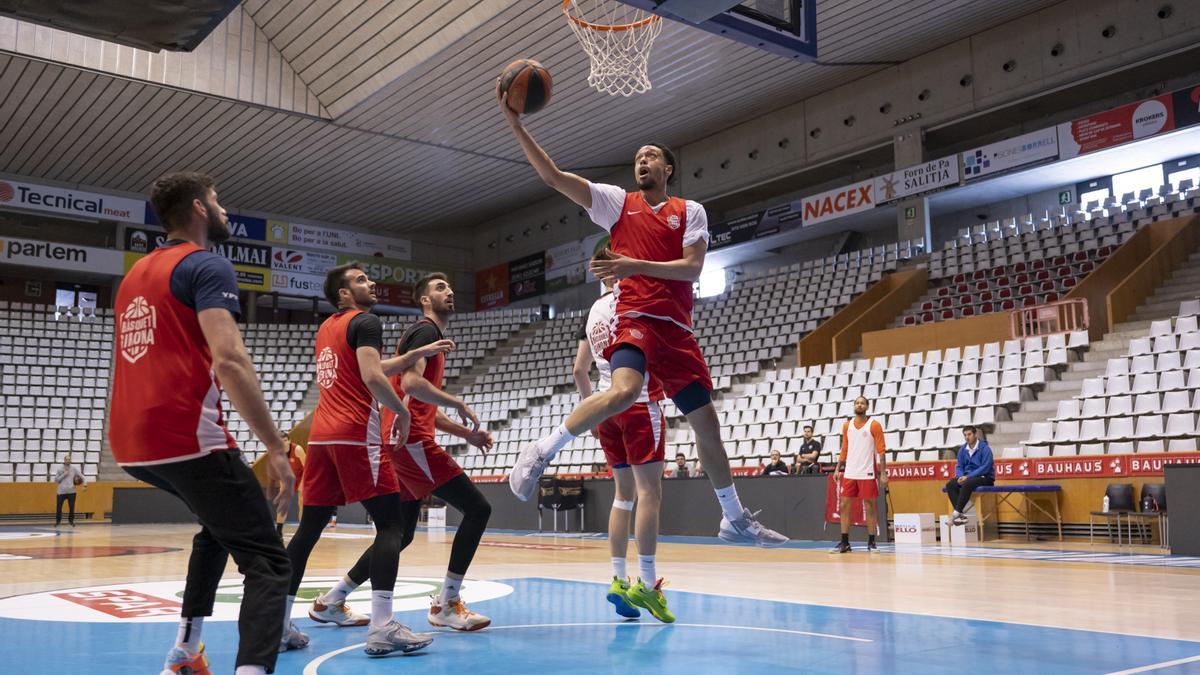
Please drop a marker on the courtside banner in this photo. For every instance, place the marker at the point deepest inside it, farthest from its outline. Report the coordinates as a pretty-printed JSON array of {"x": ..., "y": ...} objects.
[
  {"x": 296, "y": 283},
  {"x": 343, "y": 241},
  {"x": 915, "y": 180},
  {"x": 1011, "y": 153},
  {"x": 301, "y": 262},
  {"x": 1093, "y": 466},
  {"x": 22, "y": 195},
  {"x": 843, "y": 201},
  {"x": 755, "y": 226},
  {"x": 491, "y": 287},
  {"x": 62, "y": 256},
  {"x": 1110, "y": 128}
]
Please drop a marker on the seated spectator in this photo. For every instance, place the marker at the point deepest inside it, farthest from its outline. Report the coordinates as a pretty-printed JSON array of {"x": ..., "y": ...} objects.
[
  {"x": 975, "y": 468},
  {"x": 681, "y": 468},
  {"x": 775, "y": 467},
  {"x": 807, "y": 460}
]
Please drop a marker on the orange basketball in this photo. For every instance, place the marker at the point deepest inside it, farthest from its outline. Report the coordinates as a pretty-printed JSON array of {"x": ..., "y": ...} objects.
[{"x": 528, "y": 86}]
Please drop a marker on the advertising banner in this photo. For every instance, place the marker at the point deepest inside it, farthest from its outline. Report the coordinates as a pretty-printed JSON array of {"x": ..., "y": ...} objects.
[
  {"x": 843, "y": 201},
  {"x": 1094, "y": 466},
  {"x": 301, "y": 262},
  {"x": 296, "y": 283},
  {"x": 61, "y": 256},
  {"x": 754, "y": 226},
  {"x": 567, "y": 265},
  {"x": 527, "y": 277},
  {"x": 491, "y": 287},
  {"x": 395, "y": 295},
  {"x": 1011, "y": 153},
  {"x": 345, "y": 241},
  {"x": 1186, "y": 106},
  {"x": 241, "y": 253},
  {"x": 1113, "y": 127},
  {"x": 253, "y": 278},
  {"x": 23, "y": 195},
  {"x": 915, "y": 180}
]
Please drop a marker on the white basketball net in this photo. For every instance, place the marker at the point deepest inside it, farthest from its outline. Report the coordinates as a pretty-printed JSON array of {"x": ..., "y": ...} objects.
[{"x": 617, "y": 38}]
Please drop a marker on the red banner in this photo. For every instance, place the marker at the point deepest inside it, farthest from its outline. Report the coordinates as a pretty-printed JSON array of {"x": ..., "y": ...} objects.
[
  {"x": 395, "y": 295},
  {"x": 1113, "y": 127},
  {"x": 833, "y": 496},
  {"x": 491, "y": 287},
  {"x": 1034, "y": 468}
]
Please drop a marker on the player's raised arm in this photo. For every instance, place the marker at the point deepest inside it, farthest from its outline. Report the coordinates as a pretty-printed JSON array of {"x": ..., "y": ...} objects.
[{"x": 572, "y": 186}]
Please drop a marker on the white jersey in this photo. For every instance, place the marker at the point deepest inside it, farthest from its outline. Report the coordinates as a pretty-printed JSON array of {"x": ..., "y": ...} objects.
[
  {"x": 860, "y": 447},
  {"x": 601, "y": 326}
]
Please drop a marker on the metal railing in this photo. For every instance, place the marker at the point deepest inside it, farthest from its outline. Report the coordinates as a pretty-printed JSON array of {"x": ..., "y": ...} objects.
[{"x": 1063, "y": 316}]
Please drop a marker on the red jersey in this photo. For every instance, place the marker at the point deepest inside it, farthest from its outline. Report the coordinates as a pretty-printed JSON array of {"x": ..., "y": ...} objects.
[
  {"x": 346, "y": 412},
  {"x": 658, "y": 237},
  {"x": 166, "y": 401},
  {"x": 424, "y": 415}
]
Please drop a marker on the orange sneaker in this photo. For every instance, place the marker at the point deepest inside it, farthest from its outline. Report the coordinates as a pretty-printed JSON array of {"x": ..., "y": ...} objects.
[
  {"x": 180, "y": 662},
  {"x": 454, "y": 614}
]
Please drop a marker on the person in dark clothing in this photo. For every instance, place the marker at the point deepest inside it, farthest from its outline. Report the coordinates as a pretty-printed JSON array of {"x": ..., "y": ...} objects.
[
  {"x": 775, "y": 467},
  {"x": 810, "y": 453}
]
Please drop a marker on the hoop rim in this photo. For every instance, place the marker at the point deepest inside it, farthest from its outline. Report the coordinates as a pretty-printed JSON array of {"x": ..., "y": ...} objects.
[{"x": 607, "y": 27}]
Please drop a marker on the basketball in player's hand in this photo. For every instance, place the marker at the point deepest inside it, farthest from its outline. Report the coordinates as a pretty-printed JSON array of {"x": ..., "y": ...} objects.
[
  {"x": 527, "y": 84},
  {"x": 78, "y": 480}
]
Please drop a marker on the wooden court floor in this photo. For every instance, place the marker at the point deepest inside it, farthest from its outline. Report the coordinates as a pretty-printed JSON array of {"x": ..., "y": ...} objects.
[{"x": 1120, "y": 591}]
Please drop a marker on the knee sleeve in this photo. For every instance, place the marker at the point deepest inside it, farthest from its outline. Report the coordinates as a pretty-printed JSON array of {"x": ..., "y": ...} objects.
[
  {"x": 692, "y": 397},
  {"x": 628, "y": 356},
  {"x": 623, "y": 505}
]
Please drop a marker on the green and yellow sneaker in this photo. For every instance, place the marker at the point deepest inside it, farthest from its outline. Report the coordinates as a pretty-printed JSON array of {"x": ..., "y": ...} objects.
[
  {"x": 652, "y": 600},
  {"x": 618, "y": 595}
]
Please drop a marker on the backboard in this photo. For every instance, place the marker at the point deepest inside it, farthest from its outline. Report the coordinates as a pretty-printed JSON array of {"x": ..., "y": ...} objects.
[{"x": 786, "y": 27}]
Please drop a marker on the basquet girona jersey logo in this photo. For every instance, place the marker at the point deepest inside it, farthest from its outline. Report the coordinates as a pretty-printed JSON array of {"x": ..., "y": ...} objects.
[
  {"x": 137, "y": 323},
  {"x": 327, "y": 364}
]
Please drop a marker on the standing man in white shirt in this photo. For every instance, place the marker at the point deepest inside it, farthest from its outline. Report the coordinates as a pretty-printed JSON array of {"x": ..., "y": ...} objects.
[
  {"x": 68, "y": 478},
  {"x": 863, "y": 461}
]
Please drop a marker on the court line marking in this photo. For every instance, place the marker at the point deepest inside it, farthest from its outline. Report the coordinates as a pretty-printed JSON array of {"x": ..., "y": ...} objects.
[
  {"x": 311, "y": 667},
  {"x": 1156, "y": 666}
]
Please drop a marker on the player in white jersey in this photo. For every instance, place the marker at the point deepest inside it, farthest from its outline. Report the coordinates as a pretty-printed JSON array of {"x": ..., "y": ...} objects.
[
  {"x": 857, "y": 471},
  {"x": 634, "y": 443}
]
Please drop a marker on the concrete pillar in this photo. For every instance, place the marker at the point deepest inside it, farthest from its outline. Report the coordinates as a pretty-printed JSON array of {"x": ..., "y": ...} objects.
[
  {"x": 251, "y": 306},
  {"x": 912, "y": 215}
]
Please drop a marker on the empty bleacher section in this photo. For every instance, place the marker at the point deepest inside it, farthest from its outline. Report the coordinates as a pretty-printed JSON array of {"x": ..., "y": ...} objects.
[
  {"x": 534, "y": 388},
  {"x": 54, "y": 381}
]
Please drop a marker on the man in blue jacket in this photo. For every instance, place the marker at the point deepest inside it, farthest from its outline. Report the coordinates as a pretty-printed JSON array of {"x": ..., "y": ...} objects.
[{"x": 974, "y": 469}]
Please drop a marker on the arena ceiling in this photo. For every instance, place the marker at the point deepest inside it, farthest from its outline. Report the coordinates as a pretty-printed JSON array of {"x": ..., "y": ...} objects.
[{"x": 392, "y": 125}]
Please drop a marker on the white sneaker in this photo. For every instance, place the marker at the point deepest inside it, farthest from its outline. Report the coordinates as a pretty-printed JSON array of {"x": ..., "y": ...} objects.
[
  {"x": 747, "y": 530},
  {"x": 292, "y": 639},
  {"x": 395, "y": 637},
  {"x": 530, "y": 466},
  {"x": 336, "y": 613},
  {"x": 454, "y": 614}
]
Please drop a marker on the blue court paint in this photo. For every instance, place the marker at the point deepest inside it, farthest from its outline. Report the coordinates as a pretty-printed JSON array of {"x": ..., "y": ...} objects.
[{"x": 559, "y": 626}]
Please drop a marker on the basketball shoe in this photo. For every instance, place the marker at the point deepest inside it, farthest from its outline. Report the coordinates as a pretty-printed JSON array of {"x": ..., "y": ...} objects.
[
  {"x": 453, "y": 613},
  {"x": 652, "y": 600},
  {"x": 618, "y": 595},
  {"x": 180, "y": 662},
  {"x": 747, "y": 530},
  {"x": 530, "y": 465},
  {"x": 292, "y": 639},
  {"x": 336, "y": 613},
  {"x": 842, "y": 547},
  {"x": 395, "y": 637}
]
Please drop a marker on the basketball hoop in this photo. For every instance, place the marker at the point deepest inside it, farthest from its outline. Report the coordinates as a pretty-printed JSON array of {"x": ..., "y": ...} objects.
[{"x": 617, "y": 38}]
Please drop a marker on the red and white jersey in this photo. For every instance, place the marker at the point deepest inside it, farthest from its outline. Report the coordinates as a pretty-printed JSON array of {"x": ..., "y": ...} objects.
[
  {"x": 423, "y": 427},
  {"x": 601, "y": 326},
  {"x": 656, "y": 233},
  {"x": 860, "y": 448},
  {"x": 166, "y": 401},
  {"x": 347, "y": 413}
]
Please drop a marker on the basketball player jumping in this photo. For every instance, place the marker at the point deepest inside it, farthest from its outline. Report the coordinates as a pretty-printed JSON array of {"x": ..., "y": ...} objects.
[
  {"x": 422, "y": 466},
  {"x": 634, "y": 443},
  {"x": 177, "y": 335},
  {"x": 345, "y": 461},
  {"x": 658, "y": 246},
  {"x": 862, "y": 441}
]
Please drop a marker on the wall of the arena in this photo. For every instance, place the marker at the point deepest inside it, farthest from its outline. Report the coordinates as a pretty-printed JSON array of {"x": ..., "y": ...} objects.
[{"x": 976, "y": 75}]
